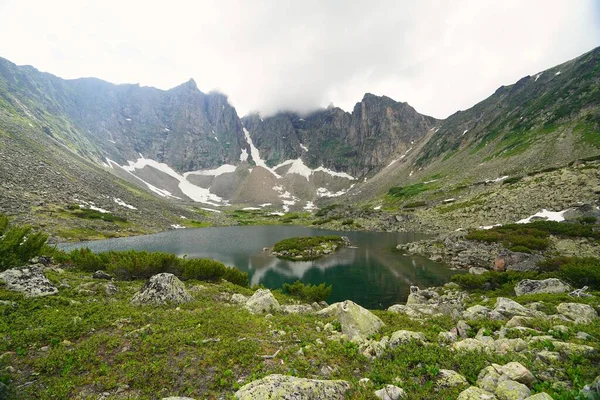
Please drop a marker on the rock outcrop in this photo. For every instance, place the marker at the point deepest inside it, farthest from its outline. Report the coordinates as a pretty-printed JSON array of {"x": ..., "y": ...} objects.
[
  {"x": 357, "y": 322},
  {"x": 550, "y": 285},
  {"x": 262, "y": 302},
  {"x": 162, "y": 289},
  {"x": 580, "y": 313},
  {"x": 29, "y": 280},
  {"x": 283, "y": 387}
]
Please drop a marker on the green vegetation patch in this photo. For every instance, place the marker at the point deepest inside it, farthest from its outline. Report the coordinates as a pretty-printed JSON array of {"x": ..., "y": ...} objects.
[
  {"x": 18, "y": 244},
  {"x": 533, "y": 236},
  {"x": 411, "y": 190},
  {"x": 87, "y": 213},
  {"x": 307, "y": 248},
  {"x": 308, "y": 292}
]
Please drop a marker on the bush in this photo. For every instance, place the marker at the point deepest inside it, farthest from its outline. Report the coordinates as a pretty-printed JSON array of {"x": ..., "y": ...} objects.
[
  {"x": 581, "y": 272},
  {"x": 348, "y": 221},
  {"x": 86, "y": 213},
  {"x": 308, "y": 292},
  {"x": 18, "y": 244},
  {"x": 492, "y": 280},
  {"x": 511, "y": 180},
  {"x": 129, "y": 265}
]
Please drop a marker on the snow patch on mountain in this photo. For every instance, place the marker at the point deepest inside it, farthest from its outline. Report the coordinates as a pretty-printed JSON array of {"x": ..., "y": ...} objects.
[{"x": 223, "y": 169}]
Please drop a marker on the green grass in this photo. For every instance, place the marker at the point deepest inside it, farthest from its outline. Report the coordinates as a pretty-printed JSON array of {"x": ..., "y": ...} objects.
[
  {"x": 479, "y": 200},
  {"x": 307, "y": 292}
]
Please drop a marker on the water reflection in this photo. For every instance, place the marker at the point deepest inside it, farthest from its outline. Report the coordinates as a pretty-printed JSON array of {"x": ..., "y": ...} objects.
[{"x": 370, "y": 273}]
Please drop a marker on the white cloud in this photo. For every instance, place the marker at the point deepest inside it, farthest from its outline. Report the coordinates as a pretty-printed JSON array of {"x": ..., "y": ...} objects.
[{"x": 439, "y": 56}]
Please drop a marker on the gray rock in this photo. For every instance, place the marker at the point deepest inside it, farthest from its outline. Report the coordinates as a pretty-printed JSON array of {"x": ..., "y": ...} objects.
[
  {"x": 509, "y": 308},
  {"x": 297, "y": 309},
  {"x": 101, "y": 275},
  {"x": 540, "y": 396},
  {"x": 548, "y": 357},
  {"x": 162, "y": 289},
  {"x": 403, "y": 337},
  {"x": 390, "y": 392},
  {"x": 477, "y": 312},
  {"x": 110, "y": 289},
  {"x": 550, "y": 285},
  {"x": 580, "y": 313},
  {"x": 447, "y": 337},
  {"x": 591, "y": 391},
  {"x": 263, "y": 301},
  {"x": 475, "y": 393},
  {"x": 448, "y": 378},
  {"x": 357, "y": 322},
  {"x": 29, "y": 280},
  {"x": 283, "y": 387},
  {"x": 238, "y": 298},
  {"x": 477, "y": 270},
  {"x": 519, "y": 321},
  {"x": 517, "y": 372},
  {"x": 512, "y": 390}
]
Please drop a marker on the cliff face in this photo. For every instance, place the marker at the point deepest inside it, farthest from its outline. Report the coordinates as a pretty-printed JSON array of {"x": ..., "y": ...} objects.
[{"x": 359, "y": 143}]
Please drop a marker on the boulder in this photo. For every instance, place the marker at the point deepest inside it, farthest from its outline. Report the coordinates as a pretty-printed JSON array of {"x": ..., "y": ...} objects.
[
  {"x": 477, "y": 312},
  {"x": 297, "y": 309},
  {"x": 550, "y": 285},
  {"x": 470, "y": 345},
  {"x": 390, "y": 392},
  {"x": 357, "y": 322},
  {"x": 512, "y": 390},
  {"x": 448, "y": 378},
  {"x": 514, "y": 261},
  {"x": 447, "y": 337},
  {"x": 517, "y": 372},
  {"x": 283, "y": 387},
  {"x": 29, "y": 280},
  {"x": 420, "y": 297},
  {"x": 519, "y": 321},
  {"x": 505, "y": 346},
  {"x": 548, "y": 357},
  {"x": 509, "y": 308},
  {"x": 569, "y": 349},
  {"x": 403, "y": 337},
  {"x": 540, "y": 396},
  {"x": 580, "y": 313},
  {"x": 238, "y": 298},
  {"x": 477, "y": 270},
  {"x": 101, "y": 275},
  {"x": 488, "y": 378},
  {"x": 263, "y": 301},
  {"x": 162, "y": 289},
  {"x": 591, "y": 391},
  {"x": 475, "y": 393}
]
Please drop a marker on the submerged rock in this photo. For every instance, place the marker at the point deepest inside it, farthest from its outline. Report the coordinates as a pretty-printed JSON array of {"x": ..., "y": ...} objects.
[
  {"x": 29, "y": 280},
  {"x": 357, "y": 322},
  {"x": 162, "y": 289},
  {"x": 550, "y": 285},
  {"x": 263, "y": 301},
  {"x": 283, "y": 387}
]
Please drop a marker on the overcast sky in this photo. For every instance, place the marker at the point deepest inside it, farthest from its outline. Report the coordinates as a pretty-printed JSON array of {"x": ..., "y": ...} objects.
[{"x": 439, "y": 56}]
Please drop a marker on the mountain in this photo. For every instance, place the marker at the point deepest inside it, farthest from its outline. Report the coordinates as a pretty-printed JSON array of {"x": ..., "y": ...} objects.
[{"x": 172, "y": 152}]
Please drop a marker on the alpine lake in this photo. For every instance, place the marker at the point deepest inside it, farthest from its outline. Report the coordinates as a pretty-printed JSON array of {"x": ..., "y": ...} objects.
[{"x": 370, "y": 272}]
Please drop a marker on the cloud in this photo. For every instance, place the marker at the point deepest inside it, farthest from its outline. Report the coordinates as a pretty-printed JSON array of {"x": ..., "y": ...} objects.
[{"x": 439, "y": 56}]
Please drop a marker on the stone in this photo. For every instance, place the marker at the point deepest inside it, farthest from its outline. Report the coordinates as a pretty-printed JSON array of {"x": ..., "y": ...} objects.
[
  {"x": 488, "y": 378},
  {"x": 517, "y": 372},
  {"x": 110, "y": 289},
  {"x": 475, "y": 393},
  {"x": 469, "y": 345},
  {"x": 477, "y": 270},
  {"x": 177, "y": 398},
  {"x": 569, "y": 349},
  {"x": 548, "y": 357},
  {"x": 283, "y": 387},
  {"x": 580, "y": 313},
  {"x": 509, "y": 308},
  {"x": 447, "y": 337},
  {"x": 29, "y": 280},
  {"x": 101, "y": 275},
  {"x": 390, "y": 392},
  {"x": 519, "y": 321},
  {"x": 462, "y": 329},
  {"x": 512, "y": 390},
  {"x": 403, "y": 337},
  {"x": 584, "y": 336},
  {"x": 448, "y": 378},
  {"x": 263, "y": 301},
  {"x": 420, "y": 297},
  {"x": 514, "y": 261},
  {"x": 476, "y": 312},
  {"x": 357, "y": 322},
  {"x": 162, "y": 289},
  {"x": 297, "y": 309},
  {"x": 550, "y": 285},
  {"x": 238, "y": 298},
  {"x": 540, "y": 396},
  {"x": 505, "y": 346},
  {"x": 591, "y": 391}
]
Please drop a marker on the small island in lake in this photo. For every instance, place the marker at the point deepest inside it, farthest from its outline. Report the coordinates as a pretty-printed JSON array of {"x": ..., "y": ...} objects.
[{"x": 308, "y": 248}]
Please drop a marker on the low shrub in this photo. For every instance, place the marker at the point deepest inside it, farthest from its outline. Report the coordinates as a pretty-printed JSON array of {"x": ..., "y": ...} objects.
[
  {"x": 581, "y": 272},
  {"x": 511, "y": 180},
  {"x": 18, "y": 244},
  {"x": 129, "y": 265},
  {"x": 415, "y": 204},
  {"x": 86, "y": 213},
  {"x": 348, "y": 221},
  {"x": 308, "y": 292},
  {"x": 492, "y": 280}
]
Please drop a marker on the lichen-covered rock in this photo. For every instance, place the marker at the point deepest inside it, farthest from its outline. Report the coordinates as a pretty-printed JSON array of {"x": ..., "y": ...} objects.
[
  {"x": 512, "y": 390},
  {"x": 448, "y": 378},
  {"x": 569, "y": 349},
  {"x": 550, "y": 285},
  {"x": 548, "y": 357},
  {"x": 505, "y": 346},
  {"x": 470, "y": 345},
  {"x": 509, "y": 308},
  {"x": 591, "y": 391},
  {"x": 297, "y": 309},
  {"x": 488, "y": 378},
  {"x": 357, "y": 322},
  {"x": 580, "y": 313},
  {"x": 519, "y": 321},
  {"x": 263, "y": 301},
  {"x": 390, "y": 392},
  {"x": 403, "y": 337},
  {"x": 283, "y": 387},
  {"x": 476, "y": 312},
  {"x": 101, "y": 275},
  {"x": 29, "y": 280},
  {"x": 162, "y": 289},
  {"x": 238, "y": 298},
  {"x": 475, "y": 393},
  {"x": 540, "y": 396},
  {"x": 517, "y": 372},
  {"x": 447, "y": 337}
]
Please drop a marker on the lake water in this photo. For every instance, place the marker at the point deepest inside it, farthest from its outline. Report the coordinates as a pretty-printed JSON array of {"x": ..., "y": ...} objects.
[{"x": 371, "y": 273}]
